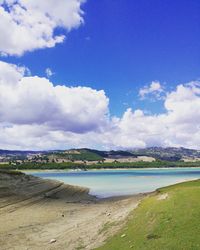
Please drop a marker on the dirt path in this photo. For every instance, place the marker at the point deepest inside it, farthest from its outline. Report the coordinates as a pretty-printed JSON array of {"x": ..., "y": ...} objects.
[{"x": 67, "y": 214}]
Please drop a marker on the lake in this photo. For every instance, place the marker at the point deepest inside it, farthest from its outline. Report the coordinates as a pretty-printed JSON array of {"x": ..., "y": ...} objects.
[{"x": 106, "y": 183}]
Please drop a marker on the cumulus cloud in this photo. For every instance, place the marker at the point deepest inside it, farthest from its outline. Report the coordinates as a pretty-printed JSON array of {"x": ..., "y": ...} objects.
[
  {"x": 35, "y": 114},
  {"x": 10, "y": 73},
  {"x": 177, "y": 126},
  {"x": 34, "y": 100},
  {"x": 154, "y": 91},
  {"x": 33, "y": 23}
]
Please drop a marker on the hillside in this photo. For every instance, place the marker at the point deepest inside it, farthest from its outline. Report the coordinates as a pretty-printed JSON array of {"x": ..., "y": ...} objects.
[
  {"x": 168, "y": 154},
  {"x": 168, "y": 219},
  {"x": 92, "y": 156}
]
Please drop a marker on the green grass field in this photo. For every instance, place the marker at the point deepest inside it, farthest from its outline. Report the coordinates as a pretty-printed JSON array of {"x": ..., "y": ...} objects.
[{"x": 172, "y": 223}]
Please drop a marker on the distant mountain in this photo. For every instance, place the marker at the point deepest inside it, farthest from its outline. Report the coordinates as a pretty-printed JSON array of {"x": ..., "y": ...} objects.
[
  {"x": 17, "y": 154},
  {"x": 168, "y": 154}
]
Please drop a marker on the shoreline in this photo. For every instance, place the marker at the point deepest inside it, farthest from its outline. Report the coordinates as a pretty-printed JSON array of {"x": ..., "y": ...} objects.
[
  {"x": 109, "y": 193},
  {"x": 32, "y": 217},
  {"x": 58, "y": 216},
  {"x": 102, "y": 169}
]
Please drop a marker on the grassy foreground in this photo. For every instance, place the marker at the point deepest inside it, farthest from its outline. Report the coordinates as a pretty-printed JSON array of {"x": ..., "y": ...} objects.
[{"x": 167, "y": 220}]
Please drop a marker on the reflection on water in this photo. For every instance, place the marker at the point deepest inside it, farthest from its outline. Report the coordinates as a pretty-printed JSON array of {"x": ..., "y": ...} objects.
[{"x": 105, "y": 183}]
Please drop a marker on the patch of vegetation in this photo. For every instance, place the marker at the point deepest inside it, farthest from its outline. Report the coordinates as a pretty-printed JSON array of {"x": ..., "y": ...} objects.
[
  {"x": 81, "y": 245},
  {"x": 167, "y": 224},
  {"x": 100, "y": 165},
  {"x": 107, "y": 226},
  {"x": 42, "y": 166},
  {"x": 112, "y": 153},
  {"x": 82, "y": 155},
  {"x": 141, "y": 164}
]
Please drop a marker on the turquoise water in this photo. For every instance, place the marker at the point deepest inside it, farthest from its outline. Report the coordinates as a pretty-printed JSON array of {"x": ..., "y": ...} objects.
[{"x": 106, "y": 183}]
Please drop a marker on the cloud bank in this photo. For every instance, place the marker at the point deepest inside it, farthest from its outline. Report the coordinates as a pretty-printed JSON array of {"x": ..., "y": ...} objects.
[
  {"x": 32, "y": 100},
  {"x": 29, "y": 25},
  {"x": 36, "y": 114}
]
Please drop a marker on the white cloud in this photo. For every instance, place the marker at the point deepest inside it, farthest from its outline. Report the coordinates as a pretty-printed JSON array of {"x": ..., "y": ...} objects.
[
  {"x": 178, "y": 126},
  {"x": 154, "y": 90},
  {"x": 35, "y": 114},
  {"x": 49, "y": 72},
  {"x": 10, "y": 73},
  {"x": 29, "y": 25},
  {"x": 35, "y": 100}
]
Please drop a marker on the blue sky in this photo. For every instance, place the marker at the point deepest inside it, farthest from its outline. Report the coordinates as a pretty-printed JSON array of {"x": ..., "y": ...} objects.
[
  {"x": 125, "y": 74},
  {"x": 124, "y": 45}
]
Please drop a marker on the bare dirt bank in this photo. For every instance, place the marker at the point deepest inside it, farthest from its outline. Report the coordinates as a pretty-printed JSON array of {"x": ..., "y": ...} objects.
[{"x": 34, "y": 211}]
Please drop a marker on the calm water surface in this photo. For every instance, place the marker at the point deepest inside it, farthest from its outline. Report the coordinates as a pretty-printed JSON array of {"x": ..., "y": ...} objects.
[{"x": 105, "y": 183}]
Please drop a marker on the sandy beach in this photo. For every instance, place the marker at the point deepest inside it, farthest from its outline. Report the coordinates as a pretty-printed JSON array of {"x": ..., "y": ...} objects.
[{"x": 45, "y": 214}]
